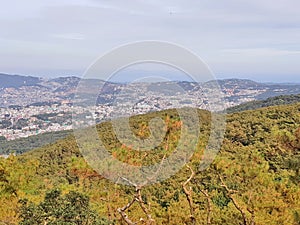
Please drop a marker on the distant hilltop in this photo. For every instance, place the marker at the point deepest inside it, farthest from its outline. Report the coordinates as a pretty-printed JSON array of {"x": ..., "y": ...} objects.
[
  {"x": 15, "y": 81},
  {"x": 28, "y": 90}
]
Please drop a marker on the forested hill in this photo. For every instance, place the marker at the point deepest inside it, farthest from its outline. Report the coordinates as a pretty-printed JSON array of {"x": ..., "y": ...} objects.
[
  {"x": 8, "y": 81},
  {"x": 254, "y": 179},
  {"x": 21, "y": 145},
  {"x": 273, "y": 101}
]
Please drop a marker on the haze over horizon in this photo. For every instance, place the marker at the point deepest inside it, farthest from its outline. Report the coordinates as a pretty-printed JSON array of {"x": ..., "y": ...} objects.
[
  {"x": 166, "y": 77},
  {"x": 257, "y": 40}
]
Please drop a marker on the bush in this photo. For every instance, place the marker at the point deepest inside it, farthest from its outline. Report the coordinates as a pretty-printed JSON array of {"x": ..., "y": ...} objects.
[{"x": 71, "y": 209}]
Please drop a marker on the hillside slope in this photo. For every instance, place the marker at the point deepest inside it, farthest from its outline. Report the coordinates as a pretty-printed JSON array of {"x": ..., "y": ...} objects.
[
  {"x": 15, "y": 81},
  {"x": 21, "y": 145},
  {"x": 255, "y": 177},
  {"x": 273, "y": 101}
]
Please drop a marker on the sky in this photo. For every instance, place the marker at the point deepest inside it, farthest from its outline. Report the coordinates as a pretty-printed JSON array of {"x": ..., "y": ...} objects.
[{"x": 258, "y": 39}]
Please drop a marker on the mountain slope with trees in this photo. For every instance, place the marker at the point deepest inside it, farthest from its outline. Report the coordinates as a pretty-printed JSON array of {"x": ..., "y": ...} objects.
[
  {"x": 273, "y": 101},
  {"x": 254, "y": 179}
]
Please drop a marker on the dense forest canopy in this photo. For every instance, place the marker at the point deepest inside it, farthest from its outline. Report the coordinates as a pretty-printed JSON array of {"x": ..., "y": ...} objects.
[
  {"x": 273, "y": 101},
  {"x": 21, "y": 145},
  {"x": 254, "y": 179}
]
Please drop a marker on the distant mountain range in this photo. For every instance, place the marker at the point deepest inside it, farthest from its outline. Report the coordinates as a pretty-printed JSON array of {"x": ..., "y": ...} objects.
[{"x": 26, "y": 90}]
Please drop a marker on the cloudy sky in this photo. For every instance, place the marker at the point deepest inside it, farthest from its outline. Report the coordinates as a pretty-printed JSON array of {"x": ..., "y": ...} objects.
[{"x": 258, "y": 39}]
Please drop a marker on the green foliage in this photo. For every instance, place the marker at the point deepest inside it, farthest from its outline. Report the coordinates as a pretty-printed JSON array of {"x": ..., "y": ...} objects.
[
  {"x": 71, "y": 209},
  {"x": 256, "y": 172},
  {"x": 273, "y": 101},
  {"x": 297, "y": 217},
  {"x": 23, "y": 145},
  {"x": 221, "y": 200},
  {"x": 2, "y": 138}
]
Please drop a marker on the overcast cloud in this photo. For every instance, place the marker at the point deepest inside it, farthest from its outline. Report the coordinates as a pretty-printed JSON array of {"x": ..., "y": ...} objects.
[{"x": 254, "y": 39}]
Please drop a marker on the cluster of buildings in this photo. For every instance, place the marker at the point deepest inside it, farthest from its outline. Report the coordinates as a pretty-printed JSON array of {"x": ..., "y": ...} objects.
[
  {"x": 23, "y": 121},
  {"x": 19, "y": 120}
]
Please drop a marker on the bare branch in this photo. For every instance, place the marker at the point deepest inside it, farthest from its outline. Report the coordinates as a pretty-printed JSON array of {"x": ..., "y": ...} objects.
[
  {"x": 137, "y": 198},
  {"x": 188, "y": 194},
  {"x": 128, "y": 181},
  {"x": 235, "y": 203},
  {"x": 144, "y": 208},
  {"x": 124, "y": 215},
  {"x": 251, "y": 210},
  {"x": 209, "y": 206}
]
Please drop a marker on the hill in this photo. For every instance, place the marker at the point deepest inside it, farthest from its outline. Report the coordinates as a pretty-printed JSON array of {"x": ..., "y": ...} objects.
[
  {"x": 15, "y": 81},
  {"x": 273, "y": 101},
  {"x": 28, "y": 90},
  {"x": 21, "y": 145},
  {"x": 254, "y": 179}
]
